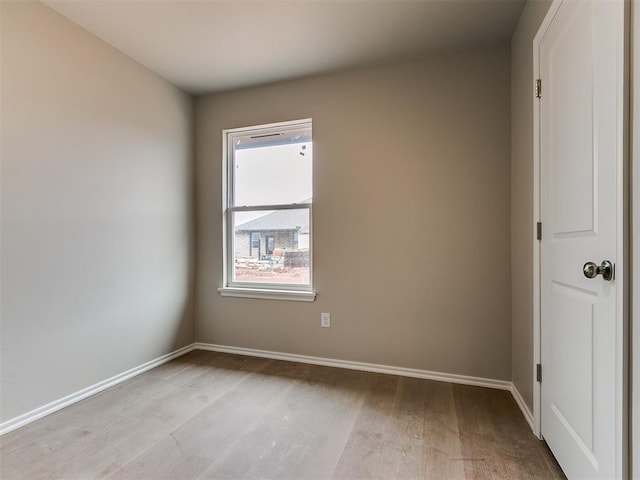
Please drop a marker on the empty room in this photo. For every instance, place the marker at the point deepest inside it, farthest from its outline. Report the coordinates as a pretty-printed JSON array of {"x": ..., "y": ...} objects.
[{"x": 308, "y": 239}]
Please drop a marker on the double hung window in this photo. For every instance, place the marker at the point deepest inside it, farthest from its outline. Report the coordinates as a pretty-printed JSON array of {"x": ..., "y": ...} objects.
[{"x": 268, "y": 202}]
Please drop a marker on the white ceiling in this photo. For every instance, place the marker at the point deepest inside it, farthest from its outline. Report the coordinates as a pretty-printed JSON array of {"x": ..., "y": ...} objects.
[{"x": 203, "y": 46}]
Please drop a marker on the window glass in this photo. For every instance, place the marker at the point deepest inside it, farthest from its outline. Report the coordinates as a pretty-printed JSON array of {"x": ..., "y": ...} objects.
[
  {"x": 281, "y": 259},
  {"x": 271, "y": 174}
]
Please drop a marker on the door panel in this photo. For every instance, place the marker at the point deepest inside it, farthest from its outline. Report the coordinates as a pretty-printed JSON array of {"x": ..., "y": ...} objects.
[
  {"x": 570, "y": 117},
  {"x": 573, "y": 314},
  {"x": 581, "y": 121}
]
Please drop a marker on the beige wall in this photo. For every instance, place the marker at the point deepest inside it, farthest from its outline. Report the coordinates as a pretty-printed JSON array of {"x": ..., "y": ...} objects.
[
  {"x": 522, "y": 221},
  {"x": 411, "y": 216},
  {"x": 96, "y": 197}
]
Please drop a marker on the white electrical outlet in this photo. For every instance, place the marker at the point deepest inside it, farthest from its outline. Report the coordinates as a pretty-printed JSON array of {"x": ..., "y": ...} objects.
[{"x": 325, "y": 320}]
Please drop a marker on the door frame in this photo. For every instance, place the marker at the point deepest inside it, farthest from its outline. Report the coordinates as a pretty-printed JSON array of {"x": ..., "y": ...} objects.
[
  {"x": 635, "y": 247},
  {"x": 622, "y": 246}
]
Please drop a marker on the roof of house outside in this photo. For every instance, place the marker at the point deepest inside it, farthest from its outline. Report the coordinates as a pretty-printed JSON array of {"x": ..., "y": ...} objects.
[{"x": 292, "y": 219}]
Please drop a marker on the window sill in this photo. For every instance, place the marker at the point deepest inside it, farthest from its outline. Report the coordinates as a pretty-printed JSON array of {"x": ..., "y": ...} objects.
[{"x": 289, "y": 295}]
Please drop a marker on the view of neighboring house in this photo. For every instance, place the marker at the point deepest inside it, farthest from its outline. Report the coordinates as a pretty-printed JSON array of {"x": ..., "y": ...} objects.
[{"x": 282, "y": 229}]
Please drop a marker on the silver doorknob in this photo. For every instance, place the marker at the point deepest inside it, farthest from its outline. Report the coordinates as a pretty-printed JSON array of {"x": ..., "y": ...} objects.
[{"x": 606, "y": 269}]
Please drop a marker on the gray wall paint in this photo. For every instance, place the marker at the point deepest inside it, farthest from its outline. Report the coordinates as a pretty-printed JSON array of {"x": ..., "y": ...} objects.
[
  {"x": 411, "y": 216},
  {"x": 522, "y": 221},
  {"x": 96, "y": 210}
]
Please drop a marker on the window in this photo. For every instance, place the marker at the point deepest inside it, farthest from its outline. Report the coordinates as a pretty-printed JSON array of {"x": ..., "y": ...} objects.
[
  {"x": 268, "y": 211},
  {"x": 255, "y": 244}
]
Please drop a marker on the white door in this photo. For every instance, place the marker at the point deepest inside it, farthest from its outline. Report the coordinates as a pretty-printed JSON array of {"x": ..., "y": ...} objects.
[{"x": 581, "y": 114}]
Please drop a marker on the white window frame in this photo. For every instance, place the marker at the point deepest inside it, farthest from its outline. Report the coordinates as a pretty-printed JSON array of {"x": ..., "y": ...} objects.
[{"x": 270, "y": 291}]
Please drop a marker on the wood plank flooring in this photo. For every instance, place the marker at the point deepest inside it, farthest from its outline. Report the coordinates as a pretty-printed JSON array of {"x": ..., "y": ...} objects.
[{"x": 219, "y": 416}]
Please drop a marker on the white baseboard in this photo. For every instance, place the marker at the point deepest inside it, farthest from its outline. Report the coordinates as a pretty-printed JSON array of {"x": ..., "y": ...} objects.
[
  {"x": 526, "y": 413},
  {"x": 56, "y": 405},
  {"x": 367, "y": 367}
]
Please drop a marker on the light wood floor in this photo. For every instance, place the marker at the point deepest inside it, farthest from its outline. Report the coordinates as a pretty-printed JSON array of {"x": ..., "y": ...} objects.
[{"x": 212, "y": 415}]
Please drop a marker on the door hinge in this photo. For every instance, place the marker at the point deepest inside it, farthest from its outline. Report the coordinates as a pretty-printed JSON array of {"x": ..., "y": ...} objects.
[
  {"x": 538, "y": 373},
  {"x": 539, "y": 230},
  {"x": 539, "y": 88}
]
